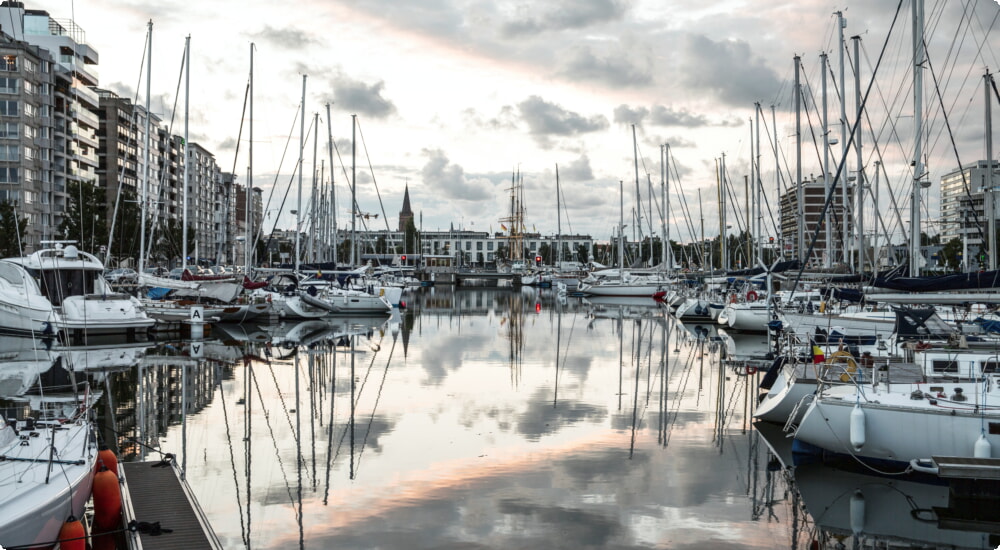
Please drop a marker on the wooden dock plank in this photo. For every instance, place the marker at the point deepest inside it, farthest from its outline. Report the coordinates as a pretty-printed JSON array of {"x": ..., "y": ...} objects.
[{"x": 157, "y": 495}]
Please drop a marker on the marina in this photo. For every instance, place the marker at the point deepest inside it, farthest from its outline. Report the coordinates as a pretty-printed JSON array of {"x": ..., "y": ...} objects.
[
  {"x": 753, "y": 358},
  {"x": 503, "y": 417}
]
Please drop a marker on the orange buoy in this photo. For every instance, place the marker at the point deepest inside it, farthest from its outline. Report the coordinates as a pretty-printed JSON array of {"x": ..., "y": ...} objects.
[
  {"x": 72, "y": 535},
  {"x": 107, "y": 496},
  {"x": 106, "y": 458}
]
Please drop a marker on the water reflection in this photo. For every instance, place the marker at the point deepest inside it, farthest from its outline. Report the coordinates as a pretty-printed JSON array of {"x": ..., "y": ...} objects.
[{"x": 485, "y": 418}]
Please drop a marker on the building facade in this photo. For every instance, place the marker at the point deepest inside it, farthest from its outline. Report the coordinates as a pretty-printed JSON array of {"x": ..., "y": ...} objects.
[
  {"x": 814, "y": 196},
  {"x": 964, "y": 198}
]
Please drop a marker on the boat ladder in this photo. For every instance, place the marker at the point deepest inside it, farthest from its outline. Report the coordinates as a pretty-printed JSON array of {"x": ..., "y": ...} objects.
[{"x": 792, "y": 424}]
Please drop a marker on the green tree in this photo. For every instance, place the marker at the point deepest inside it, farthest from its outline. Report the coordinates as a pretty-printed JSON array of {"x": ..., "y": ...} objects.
[
  {"x": 86, "y": 219},
  {"x": 411, "y": 238},
  {"x": 168, "y": 246},
  {"x": 12, "y": 230},
  {"x": 950, "y": 254}
]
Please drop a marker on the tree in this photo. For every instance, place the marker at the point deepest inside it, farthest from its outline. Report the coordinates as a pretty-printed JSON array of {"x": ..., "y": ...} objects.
[
  {"x": 12, "y": 230},
  {"x": 168, "y": 246},
  {"x": 86, "y": 219},
  {"x": 951, "y": 254},
  {"x": 411, "y": 238}
]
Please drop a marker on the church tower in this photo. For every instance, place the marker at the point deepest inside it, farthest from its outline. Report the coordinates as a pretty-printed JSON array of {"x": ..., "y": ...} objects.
[{"x": 405, "y": 215}]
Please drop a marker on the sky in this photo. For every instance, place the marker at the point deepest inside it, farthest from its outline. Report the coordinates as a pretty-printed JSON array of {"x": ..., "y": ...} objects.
[{"x": 452, "y": 97}]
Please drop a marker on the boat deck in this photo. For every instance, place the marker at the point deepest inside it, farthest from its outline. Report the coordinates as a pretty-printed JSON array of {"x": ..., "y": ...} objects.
[{"x": 155, "y": 494}]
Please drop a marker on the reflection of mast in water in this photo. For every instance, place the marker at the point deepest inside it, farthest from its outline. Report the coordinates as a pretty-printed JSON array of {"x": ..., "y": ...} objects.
[{"x": 515, "y": 336}]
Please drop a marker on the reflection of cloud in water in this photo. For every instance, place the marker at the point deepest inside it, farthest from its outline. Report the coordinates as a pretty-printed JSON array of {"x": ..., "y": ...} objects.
[{"x": 541, "y": 418}]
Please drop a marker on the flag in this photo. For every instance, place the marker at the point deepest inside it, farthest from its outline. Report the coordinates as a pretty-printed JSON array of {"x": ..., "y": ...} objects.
[{"x": 817, "y": 355}]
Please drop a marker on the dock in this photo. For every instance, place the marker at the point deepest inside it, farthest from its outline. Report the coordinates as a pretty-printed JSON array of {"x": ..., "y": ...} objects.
[{"x": 167, "y": 514}]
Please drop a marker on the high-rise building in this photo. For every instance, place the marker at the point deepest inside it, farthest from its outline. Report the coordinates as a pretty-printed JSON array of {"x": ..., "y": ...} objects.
[
  {"x": 963, "y": 203},
  {"x": 26, "y": 145},
  {"x": 814, "y": 193},
  {"x": 70, "y": 117}
]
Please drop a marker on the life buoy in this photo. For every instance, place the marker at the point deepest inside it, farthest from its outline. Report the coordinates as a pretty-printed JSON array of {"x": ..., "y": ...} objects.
[
  {"x": 751, "y": 370},
  {"x": 732, "y": 299},
  {"x": 752, "y": 296},
  {"x": 843, "y": 357}
]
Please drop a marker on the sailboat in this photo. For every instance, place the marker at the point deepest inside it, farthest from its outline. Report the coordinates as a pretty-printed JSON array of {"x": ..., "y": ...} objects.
[{"x": 48, "y": 457}]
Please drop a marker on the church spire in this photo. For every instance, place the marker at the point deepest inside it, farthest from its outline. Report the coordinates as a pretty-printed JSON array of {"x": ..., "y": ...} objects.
[{"x": 406, "y": 214}]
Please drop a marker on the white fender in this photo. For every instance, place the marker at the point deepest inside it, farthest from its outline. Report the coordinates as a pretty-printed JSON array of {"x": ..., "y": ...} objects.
[
  {"x": 857, "y": 512},
  {"x": 982, "y": 449},
  {"x": 857, "y": 427}
]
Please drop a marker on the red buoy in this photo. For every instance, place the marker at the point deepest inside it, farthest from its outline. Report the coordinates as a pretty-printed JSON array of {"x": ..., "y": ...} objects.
[
  {"x": 104, "y": 541},
  {"x": 72, "y": 535},
  {"x": 106, "y": 458},
  {"x": 107, "y": 496}
]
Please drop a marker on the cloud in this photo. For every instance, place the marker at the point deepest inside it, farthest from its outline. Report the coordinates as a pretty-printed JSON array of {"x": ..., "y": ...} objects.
[
  {"x": 578, "y": 170},
  {"x": 727, "y": 69},
  {"x": 667, "y": 116},
  {"x": 450, "y": 180},
  {"x": 627, "y": 115},
  {"x": 291, "y": 39},
  {"x": 565, "y": 15},
  {"x": 506, "y": 119},
  {"x": 612, "y": 68},
  {"x": 360, "y": 98},
  {"x": 546, "y": 119}
]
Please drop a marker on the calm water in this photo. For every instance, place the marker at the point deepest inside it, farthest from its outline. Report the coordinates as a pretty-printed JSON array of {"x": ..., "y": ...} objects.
[{"x": 494, "y": 419}]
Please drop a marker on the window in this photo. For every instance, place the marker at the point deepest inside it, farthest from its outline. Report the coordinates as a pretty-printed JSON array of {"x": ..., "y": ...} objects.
[
  {"x": 9, "y": 196},
  {"x": 9, "y": 152},
  {"x": 29, "y": 131},
  {"x": 468, "y": 245},
  {"x": 479, "y": 245},
  {"x": 8, "y": 107},
  {"x": 489, "y": 246},
  {"x": 8, "y": 130},
  {"x": 8, "y": 85},
  {"x": 945, "y": 366},
  {"x": 29, "y": 109},
  {"x": 990, "y": 367},
  {"x": 8, "y": 62},
  {"x": 8, "y": 174},
  {"x": 30, "y": 65},
  {"x": 29, "y": 87}
]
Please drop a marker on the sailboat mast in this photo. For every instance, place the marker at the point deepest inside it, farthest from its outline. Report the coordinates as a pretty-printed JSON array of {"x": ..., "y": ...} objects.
[
  {"x": 799, "y": 189},
  {"x": 845, "y": 204},
  {"x": 333, "y": 189},
  {"x": 758, "y": 210},
  {"x": 354, "y": 181},
  {"x": 250, "y": 237},
  {"x": 145, "y": 152},
  {"x": 314, "y": 207},
  {"x": 621, "y": 231},
  {"x": 828, "y": 223},
  {"x": 859, "y": 183},
  {"x": 558, "y": 221},
  {"x": 302, "y": 145},
  {"x": 991, "y": 212},
  {"x": 918, "y": 130},
  {"x": 187, "y": 163},
  {"x": 638, "y": 197}
]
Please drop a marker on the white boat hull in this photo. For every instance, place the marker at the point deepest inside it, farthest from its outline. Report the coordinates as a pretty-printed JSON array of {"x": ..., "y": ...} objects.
[
  {"x": 899, "y": 429},
  {"x": 31, "y": 510}
]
